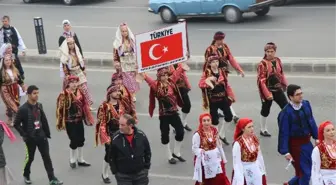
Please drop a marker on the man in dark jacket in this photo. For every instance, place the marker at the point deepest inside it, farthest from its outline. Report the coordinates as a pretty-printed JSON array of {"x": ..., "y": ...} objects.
[
  {"x": 32, "y": 124},
  {"x": 130, "y": 153},
  {"x": 68, "y": 33}
]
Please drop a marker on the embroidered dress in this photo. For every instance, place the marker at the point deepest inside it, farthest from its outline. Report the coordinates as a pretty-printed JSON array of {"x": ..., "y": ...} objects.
[
  {"x": 248, "y": 162},
  {"x": 120, "y": 49}
]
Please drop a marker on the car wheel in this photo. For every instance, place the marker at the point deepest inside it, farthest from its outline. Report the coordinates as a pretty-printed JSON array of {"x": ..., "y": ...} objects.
[
  {"x": 281, "y": 3},
  {"x": 232, "y": 14},
  {"x": 263, "y": 11},
  {"x": 69, "y": 2},
  {"x": 167, "y": 16},
  {"x": 28, "y": 1}
]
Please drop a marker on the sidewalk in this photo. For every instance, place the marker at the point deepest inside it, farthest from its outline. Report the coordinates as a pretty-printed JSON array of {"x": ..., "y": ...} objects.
[{"x": 249, "y": 64}]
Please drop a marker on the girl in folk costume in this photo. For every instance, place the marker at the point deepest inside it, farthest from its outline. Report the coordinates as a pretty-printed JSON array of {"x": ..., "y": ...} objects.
[
  {"x": 72, "y": 111},
  {"x": 124, "y": 46},
  {"x": 6, "y": 176},
  {"x": 184, "y": 87},
  {"x": 248, "y": 162},
  {"x": 217, "y": 94},
  {"x": 165, "y": 91},
  {"x": 272, "y": 84},
  {"x": 324, "y": 156},
  {"x": 9, "y": 89},
  {"x": 72, "y": 63},
  {"x": 209, "y": 154},
  {"x": 222, "y": 50}
]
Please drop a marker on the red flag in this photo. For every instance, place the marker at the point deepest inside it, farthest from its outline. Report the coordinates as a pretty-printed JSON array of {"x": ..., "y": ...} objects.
[{"x": 161, "y": 50}]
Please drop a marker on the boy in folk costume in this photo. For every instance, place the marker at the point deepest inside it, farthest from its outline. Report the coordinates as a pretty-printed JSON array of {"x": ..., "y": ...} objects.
[
  {"x": 124, "y": 49},
  {"x": 184, "y": 87},
  {"x": 165, "y": 91},
  {"x": 217, "y": 94},
  {"x": 72, "y": 112},
  {"x": 126, "y": 96},
  {"x": 72, "y": 63},
  {"x": 108, "y": 116},
  {"x": 222, "y": 50},
  {"x": 272, "y": 85}
]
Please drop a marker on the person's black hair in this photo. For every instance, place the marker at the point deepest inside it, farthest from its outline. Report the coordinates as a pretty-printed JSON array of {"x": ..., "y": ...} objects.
[
  {"x": 5, "y": 17},
  {"x": 291, "y": 89},
  {"x": 31, "y": 89},
  {"x": 129, "y": 119}
]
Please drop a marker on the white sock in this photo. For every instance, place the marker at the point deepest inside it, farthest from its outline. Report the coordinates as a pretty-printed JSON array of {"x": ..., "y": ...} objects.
[
  {"x": 177, "y": 148},
  {"x": 222, "y": 130},
  {"x": 169, "y": 153},
  {"x": 184, "y": 119},
  {"x": 263, "y": 123},
  {"x": 105, "y": 169},
  {"x": 73, "y": 154},
  {"x": 233, "y": 112},
  {"x": 81, "y": 155}
]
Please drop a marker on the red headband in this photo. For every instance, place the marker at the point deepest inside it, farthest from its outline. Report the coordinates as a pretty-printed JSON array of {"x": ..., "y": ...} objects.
[
  {"x": 161, "y": 72},
  {"x": 200, "y": 126},
  {"x": 116, "y": 76},
  {"x": 219, "y": 36},
  {"x": 321, "y": 130},
  {"x": 242, "y": 122},
  {"x": 270, "y": 45},
  {"x": 112, "y": 88}
]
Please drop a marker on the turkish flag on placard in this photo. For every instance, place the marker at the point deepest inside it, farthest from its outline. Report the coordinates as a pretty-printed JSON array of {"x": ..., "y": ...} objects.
[{"x": 161, "y": 50}]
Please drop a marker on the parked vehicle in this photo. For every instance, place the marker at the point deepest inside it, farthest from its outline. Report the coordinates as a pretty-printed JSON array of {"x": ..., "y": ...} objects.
[
  {"x": 171, "y": 10},
  {"x": 66, "y": 2}
]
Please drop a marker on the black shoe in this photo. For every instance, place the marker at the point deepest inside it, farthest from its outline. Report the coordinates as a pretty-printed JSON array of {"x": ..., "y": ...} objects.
[
  {"x": 106, "y": 180},
  {"x": 172, "y": 161},
  {"x": 179, "y": 158},
  {"x": 73, "y": 165},
  {"x": 55, "y": 181},
  {"x": 187, "y": 128},
  {"x": 224, "y": 141},
  {"x": 83, "y": 164},
  {"x": 265, "y": 133},
  {"x": 220, "y": 115},
  {"x": 27, "y": 180},
  {"x": 235, "y": 119}
]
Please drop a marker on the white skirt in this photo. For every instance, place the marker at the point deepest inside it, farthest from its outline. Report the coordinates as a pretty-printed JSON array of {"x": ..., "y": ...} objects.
[{"x": 6, "y": 176}]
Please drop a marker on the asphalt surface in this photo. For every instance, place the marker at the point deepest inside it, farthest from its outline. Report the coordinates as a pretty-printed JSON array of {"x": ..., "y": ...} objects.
[
  {"x": 299, "y": 31},
  {"x": 320, "y": 91}
]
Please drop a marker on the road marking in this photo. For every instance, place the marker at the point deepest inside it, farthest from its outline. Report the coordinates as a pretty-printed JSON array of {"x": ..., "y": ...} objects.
[
  {"x": 90, "y": 27},
  {"x": 248, "y": 30},
  {"x": 189, "y": 73},
  {"x": 78, "y": 6},
  {"x": 187, "y": 178}
]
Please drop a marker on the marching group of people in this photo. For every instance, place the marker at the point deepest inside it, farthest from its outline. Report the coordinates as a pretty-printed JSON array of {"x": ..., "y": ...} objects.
[{"x": 127, "y": 149}]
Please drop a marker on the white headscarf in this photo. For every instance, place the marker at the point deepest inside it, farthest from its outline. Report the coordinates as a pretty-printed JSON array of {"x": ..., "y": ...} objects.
[
  {"x": 119, "y": 38},
  {"x": 65, "y": 57},
  {"x": 4, "y": 48}
]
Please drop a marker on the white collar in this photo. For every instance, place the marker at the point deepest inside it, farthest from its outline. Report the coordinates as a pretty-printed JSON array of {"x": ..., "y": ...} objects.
[{"x": 295, "y": 106}]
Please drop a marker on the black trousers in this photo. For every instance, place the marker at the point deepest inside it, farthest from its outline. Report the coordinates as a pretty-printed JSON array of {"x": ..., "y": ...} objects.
[
  {"x": 43, "y": 146},
  {"x": 279, "y": 97},
  {"x": 186, "y": 100},
  {"x": 76, "y": 134},
  {"x": 19, "y": 66},
  {"x": 175, "y": 121},
  {"x": 224, "y": 106},
  {"x": 140, "y": 178},
  {"x": 107, "y": 153}
]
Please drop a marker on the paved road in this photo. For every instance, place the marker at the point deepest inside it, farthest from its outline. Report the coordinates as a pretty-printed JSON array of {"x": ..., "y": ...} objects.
[
  {"x": 296, "y": 30},
  {"x": 161, "y": 172}
]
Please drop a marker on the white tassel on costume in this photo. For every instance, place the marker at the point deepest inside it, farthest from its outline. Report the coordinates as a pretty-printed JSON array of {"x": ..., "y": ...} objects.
[
  {"x": 263, "y": 123},
  {"x": 169, "y": 153},
  {"x": 73, "y": 156},
  {"x": 233, "y": 112},
  {"x": 184, "y": 119},
  {"x": 177, "y": 148},
  {"x": 105, "y": 169}
]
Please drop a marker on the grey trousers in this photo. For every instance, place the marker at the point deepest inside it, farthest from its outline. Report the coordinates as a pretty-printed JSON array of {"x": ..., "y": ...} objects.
[{"x": 140, "y": 178}]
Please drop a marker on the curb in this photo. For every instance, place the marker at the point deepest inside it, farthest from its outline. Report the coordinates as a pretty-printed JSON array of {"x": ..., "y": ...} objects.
[{"x": 249, "y": 64}]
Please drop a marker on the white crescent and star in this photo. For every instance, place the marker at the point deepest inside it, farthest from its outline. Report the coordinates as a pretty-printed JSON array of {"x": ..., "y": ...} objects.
[{"x": 151, "y": 49}]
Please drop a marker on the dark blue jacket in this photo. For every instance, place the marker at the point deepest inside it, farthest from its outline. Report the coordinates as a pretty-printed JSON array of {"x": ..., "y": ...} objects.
[{"x": 295, "y": 123}]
